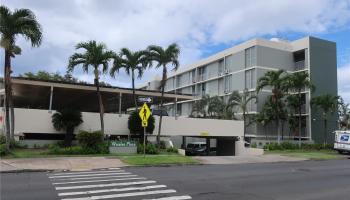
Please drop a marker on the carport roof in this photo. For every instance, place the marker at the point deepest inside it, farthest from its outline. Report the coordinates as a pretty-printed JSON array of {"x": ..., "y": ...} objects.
[{"x": 36, "y": 94}]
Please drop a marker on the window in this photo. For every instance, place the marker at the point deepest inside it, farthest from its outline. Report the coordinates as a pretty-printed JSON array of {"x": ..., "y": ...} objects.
[
  {"x": 193, "y": 76},
  {"x": 250, "y": 81},
  {"x": 201, "y": 73},
  {"x": 221, "y": 67},
  {"x": 228, "y": 82},
  {"x": 179, "y": 109},
  {"x": 250, "y": 57}
]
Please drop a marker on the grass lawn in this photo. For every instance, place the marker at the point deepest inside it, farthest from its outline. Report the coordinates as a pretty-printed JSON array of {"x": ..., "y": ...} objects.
[
  {"x": 132, "y": 159},
  {"x": 310, "y": 154},
  {"x": 157, "y": 159},
  {"x": 42, "y": 153}
]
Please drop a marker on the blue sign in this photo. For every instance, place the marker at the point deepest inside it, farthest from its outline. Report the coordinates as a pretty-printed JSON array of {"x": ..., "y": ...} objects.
[{"x": 344, "y": 138}]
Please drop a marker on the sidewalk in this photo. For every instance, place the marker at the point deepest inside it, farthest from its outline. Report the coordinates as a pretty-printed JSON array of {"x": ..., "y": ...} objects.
[
  {"x": 246, "y": 159},
  {"x": 59, "y": 163}
]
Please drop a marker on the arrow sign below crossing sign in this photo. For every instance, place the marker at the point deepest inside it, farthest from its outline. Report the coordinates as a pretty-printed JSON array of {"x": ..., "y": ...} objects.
[
  {"x": 144, "y": 114},
  {"x": 145, "y": 99}
]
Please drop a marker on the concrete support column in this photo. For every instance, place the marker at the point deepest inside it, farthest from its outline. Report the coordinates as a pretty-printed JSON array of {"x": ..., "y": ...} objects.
[
  {"x": 120, "y": 104},
  {"x": 175, "y": 108},
  {"x": 183, "y": 145},
  {"x": 208, "y": 145},
  {"x": 51, "y": 96}
]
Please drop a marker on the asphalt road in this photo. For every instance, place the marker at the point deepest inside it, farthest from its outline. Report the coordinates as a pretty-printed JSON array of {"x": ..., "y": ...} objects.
[{"x": 293, "y": 180}]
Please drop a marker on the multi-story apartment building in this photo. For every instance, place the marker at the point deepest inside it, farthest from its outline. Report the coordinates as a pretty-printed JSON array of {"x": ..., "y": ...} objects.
[{"x": 240, "y": 67}]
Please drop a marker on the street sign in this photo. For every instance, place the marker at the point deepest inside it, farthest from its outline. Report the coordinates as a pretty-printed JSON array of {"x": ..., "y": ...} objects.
[
  {"x": 144, "y": 114},
  {"x": 145, "y": 99}
]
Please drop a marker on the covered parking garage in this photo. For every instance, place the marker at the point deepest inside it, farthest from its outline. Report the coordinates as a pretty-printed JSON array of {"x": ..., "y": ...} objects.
[{"x": 50, "y": 95}]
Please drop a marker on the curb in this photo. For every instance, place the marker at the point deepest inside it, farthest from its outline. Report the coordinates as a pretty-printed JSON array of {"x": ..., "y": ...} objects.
[{"x": 25, "y": 170}]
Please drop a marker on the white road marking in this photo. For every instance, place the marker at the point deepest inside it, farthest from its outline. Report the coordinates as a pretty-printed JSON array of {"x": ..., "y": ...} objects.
[
  {"x": 112, "y": 190},
  {"x": 123, "y": 195},
  {"x": 97, "y": 177},
  {"x": 85, "y": 175},
  {"x": 87, "y": 172},
  {"x": 105, "y": 185},
  {"x": 173, "y": 198},
  {"x": 103, "y": 180}
]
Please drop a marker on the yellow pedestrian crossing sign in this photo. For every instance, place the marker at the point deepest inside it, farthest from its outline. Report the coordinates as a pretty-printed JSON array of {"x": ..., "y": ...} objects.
[{"x": 144, "y": 114}]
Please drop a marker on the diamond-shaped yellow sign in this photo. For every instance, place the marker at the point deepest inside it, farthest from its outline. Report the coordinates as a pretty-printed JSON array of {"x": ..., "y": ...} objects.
[{"x": 144, "y": 114}]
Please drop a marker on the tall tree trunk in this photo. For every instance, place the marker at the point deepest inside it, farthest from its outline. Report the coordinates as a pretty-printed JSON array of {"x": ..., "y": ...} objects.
[
  {"x": 68, "y": 137},
  {"x": 161, "y": 106},
  {"x": 7, "y": 68},
  {"x": 12, "y": 113},
  {"x": 299, "y": 120},
  {"x": 133, "y": 89},
  {"x": 100, "y": 105},
  {"x": 244, "y": 125},
  {"x": 278, "y": 130},
  {"x": 325, "y": 132}
]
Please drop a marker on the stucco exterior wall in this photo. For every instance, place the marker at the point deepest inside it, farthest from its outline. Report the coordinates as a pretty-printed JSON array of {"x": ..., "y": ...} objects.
[{"x": 39, "y": 121}]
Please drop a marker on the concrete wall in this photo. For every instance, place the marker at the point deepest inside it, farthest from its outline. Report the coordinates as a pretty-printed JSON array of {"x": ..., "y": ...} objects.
[
  {"x": 39, "y": 121},
  {"x": 323, "y": 74},
  {"x": 269, "y": 57}
]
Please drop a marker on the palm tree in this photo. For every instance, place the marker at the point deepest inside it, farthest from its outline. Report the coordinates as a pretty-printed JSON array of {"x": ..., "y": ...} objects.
[
  {"x": 67, "y": 119},
  {"x": 241, "y": 101},
  {"x": 275, "y": 80},
  {"x": 216, "y": 107},
  {"x": 131, "y": 62},
  {"x": 297, "y": 82},
  {"x": 95, "y": 55},
  {"x": 164, "y": 57},
  {"x": 200, "y": 106},
  {"x": 19, "y": 22},
  {"x": 264, "y": 119},
  {"x": 328, "y": 105},
  {"x": 344, "y": 114},
  {"x": 293, "y": 106}
]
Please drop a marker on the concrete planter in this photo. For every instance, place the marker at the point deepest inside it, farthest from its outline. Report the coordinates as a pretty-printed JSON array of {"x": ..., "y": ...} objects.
[{"x": 122, "y": 150}]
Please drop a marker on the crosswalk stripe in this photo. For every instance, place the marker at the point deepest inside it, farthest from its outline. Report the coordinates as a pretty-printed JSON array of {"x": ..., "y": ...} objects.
[
  {"x": 173, "y": 198},
  {"x": 104, "y": 185},
  {"x": 87, "y": 172},
  {"x": 111, "y": 190},
  {"x": 123, "y": 195},
  {"x": 85, "y": 175},
  {"x": 103, "y": 180},
  {"x": 97, "y": 177}
]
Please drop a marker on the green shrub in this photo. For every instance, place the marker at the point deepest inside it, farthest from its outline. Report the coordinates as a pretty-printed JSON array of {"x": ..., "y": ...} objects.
[
  {"x": 172, "y": 150},
  {"x": 79, "y": 150},
  {"x": 289, "y": 146},
  {"x": 273, "y": 146},
  {"x": 3, "y": 150},
  {"x": 293, "y": 146},
  {"x": 2, "y": 139},
  {"x": 162, "y": 145},
  {"x": 150, "y": 148},
  {"x": 90, "y": 139},
  {"x": 135, "y": 127},
  {"x": 254, "y": 145}
]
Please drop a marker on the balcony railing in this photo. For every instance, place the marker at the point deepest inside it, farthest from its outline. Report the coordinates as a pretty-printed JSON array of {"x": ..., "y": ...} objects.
[{"x": 300, "y": 65}]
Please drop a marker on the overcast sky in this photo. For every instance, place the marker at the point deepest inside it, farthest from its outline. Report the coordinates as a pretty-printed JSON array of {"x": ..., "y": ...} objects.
[{"x": 200, "y": 27}]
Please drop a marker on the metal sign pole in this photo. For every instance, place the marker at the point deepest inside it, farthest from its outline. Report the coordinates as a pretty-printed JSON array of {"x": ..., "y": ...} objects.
[{"x": 144, "y": 141}]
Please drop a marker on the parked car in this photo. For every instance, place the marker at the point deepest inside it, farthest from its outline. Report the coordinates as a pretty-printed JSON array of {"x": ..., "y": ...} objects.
[
  {"x": 342, "y": 141},
  {"x": 196, "y": 149}
]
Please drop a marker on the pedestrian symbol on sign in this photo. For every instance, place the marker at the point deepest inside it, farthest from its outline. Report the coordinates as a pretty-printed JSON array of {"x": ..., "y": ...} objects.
[{"x": 144, "y": 114}]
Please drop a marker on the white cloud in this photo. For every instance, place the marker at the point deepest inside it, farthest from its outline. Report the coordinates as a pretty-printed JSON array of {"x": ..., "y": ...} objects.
[
  {"x": 191, "y": 23},
  {"x": 344, "y": 82}
]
